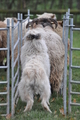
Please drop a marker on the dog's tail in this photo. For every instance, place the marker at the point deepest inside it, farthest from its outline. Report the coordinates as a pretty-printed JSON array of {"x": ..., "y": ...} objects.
[{"x": 33, "y": 36}]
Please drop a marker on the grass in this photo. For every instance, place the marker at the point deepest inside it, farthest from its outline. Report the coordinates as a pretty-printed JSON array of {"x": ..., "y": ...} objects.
[{"x": 56, "y": 104}]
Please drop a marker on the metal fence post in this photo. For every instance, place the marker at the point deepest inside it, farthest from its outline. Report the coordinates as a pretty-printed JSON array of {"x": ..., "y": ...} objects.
[
  {"x": 28, "y": 15},
  {"x": 65, "y": 64},
  {"x": 8, "y": 64},
  {"x": 19, "y": 44},
  {"x": 70, "y": 63},
  {"x": 12, "y": 65},
  {"x": 63, "y": 29},
  {"x": 21, "y": 29}
]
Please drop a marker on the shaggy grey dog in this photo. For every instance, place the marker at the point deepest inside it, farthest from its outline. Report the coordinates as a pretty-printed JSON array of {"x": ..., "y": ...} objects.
[{"x": 35, "y": 70}]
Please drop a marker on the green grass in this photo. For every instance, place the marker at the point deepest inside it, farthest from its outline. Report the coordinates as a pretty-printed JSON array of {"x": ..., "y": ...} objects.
[{"x": 38, "y": 113}]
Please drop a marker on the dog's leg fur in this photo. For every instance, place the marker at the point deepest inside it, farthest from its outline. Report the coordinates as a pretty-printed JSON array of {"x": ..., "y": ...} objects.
[
  {"x": 44, "y": 104},
  {"x": 29, "y": 104},
  {"x": 45, "y": 95}
]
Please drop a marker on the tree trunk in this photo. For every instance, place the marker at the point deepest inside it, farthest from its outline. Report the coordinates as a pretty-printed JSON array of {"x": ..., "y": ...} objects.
[
  {"x": 70, "y": 3},
  {"x": 52, "y": 2},
  {"x": 60, "y": 4},
  {"x": 44, "y": 4},
  {"x": 10, "y": 5},
  {"x": 78, "y": 4}
]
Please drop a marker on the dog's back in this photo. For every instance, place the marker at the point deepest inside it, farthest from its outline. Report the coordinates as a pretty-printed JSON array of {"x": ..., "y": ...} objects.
[{"x": 35, "y": 49}]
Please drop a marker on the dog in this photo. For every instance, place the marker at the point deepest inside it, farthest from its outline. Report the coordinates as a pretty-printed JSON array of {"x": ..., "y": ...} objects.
[{"x": 35, "y": 71}]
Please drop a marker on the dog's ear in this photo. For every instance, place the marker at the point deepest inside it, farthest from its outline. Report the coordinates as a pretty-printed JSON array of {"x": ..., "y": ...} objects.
[{"x": 60, "y": 23}]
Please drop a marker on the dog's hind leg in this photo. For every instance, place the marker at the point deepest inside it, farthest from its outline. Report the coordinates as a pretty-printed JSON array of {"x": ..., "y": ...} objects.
[
  {"x": 29, "y": 103},
  {"x": 45, "y": 95},
  {"x": 45, "y": 105}
]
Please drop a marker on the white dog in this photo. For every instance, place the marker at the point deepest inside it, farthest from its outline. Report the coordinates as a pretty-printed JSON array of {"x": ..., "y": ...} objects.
[{"x": 35, "y": 71}]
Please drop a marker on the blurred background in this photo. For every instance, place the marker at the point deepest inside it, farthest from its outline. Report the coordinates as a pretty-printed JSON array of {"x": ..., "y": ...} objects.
[{"x": 59, "y": 7}]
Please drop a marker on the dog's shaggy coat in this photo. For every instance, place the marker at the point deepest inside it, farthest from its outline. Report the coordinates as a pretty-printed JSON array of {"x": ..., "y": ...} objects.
[{"x": 35, "y": 70}]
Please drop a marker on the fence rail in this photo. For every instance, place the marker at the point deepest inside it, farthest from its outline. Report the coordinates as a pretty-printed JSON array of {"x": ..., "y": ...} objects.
[
  {"x": 71, "y": 67},
  {"x": 7, "y": 81}
]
